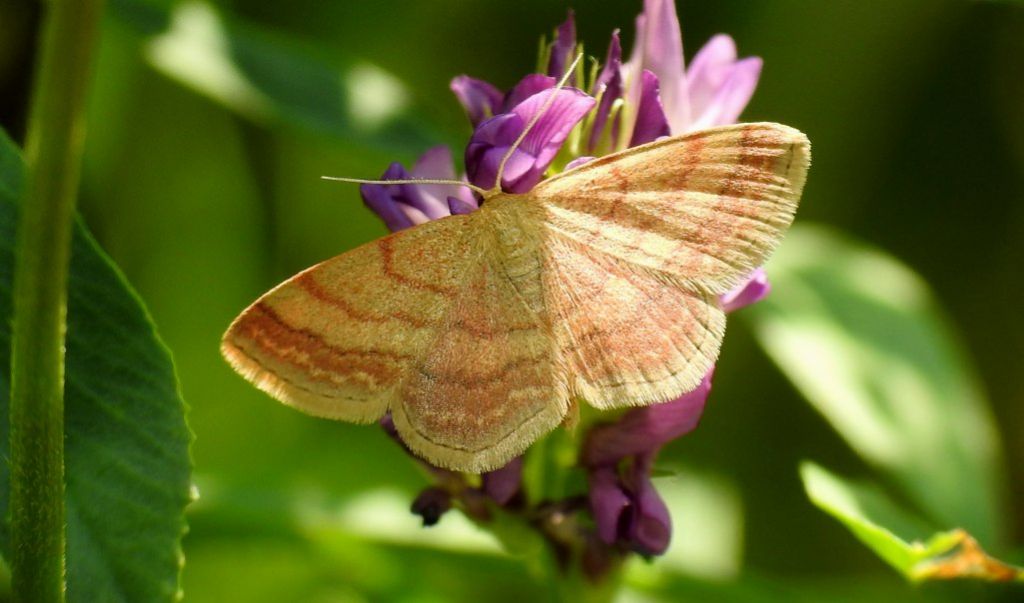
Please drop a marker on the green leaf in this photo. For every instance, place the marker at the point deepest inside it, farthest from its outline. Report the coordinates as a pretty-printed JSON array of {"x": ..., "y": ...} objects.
[
  {"x": 901, "y": 539},
  {"x": 127, "y": 463},
  {"x": 269, "y": 78},
  {"x": 862, "y": 337}
]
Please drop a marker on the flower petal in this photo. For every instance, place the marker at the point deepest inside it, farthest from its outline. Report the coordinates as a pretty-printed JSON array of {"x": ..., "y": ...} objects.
[
  {"x": 480, "y": 99},
  {"x": 607, "y": 86},
  {"x": 459, "y": 206},
  {"x": 388, "y": 425},
  {"x": 404, "y": 205},
  {"x": 659, "y": 49},
  {"x": 708, "y": 70},
  {"x": 575, "y": 163},
  {"x": 379, "y": 201},
  {"x": 527, "y": 87},
  {"x": 435, "y": 163},
  {"x": 551, "y": 130},
  {"x": 651, "y": 123},
  {"x": 494, "y": 137},
  {"x": 501, "y": 485},
  {"x": 432, "y": 199},
  {"x": 487, "y": 147},
  {"x": 650, "y": 525},
  {"x": 563, "y": 48},
  {"x": 732, "y": 96},
  {"x": 645, "y": 430},
  {"x": 608, "y": 502},
  {"x": 383, "y": 199},
  {"x": 754, "y": 290}
]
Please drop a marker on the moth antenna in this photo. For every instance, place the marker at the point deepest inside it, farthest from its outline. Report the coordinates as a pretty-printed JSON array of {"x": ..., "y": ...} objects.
[
  {"x": 472, "y": 187},
  {"x": 530, "y": 124}
]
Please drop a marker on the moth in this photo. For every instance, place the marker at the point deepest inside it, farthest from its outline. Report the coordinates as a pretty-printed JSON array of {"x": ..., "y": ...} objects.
[{"x": 480, "y": 333}]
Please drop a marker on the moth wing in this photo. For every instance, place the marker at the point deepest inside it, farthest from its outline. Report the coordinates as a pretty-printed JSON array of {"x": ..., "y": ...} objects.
[
  {"x": 706, "y": 207},
  {"x": 339, "y": 339},
  {"x": 629, "y": 336},
  {"x": 641, "y": 243},
  {"x": 490, "y": 384},
  {"x": 476, "y": 345},
  {"x": 423, "y": 323}
]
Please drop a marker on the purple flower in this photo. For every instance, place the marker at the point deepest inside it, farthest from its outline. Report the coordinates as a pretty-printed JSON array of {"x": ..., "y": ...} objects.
[
  {"x": 719, "y": 85},
  {"x": 480, "y": 99},
  {"x": 494, "y": 137},
  {"x": 405, "y": 205},
  {"x": 712, "y": 92},
  {"x": 651, "y": 123},
  {"x": 502, "y": 485},
  {"x": 659, "y": 49},
  {"x": 644, "y": 430},
  {"x": 649, "y": 527},
  {"x": 630, "y": 103},
  {"x": 563, "y": 49},
  {"x": 609, "y": 501},
  {"x": 627, "y": 509},
  {"x": 608, "y": 88},
  {"x": 525, "y": 88},
  {"x": 575, "y": 163},
  {"x": 754, "y": 290}
]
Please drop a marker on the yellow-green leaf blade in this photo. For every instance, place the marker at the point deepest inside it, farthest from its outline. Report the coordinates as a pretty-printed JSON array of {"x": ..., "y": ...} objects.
[
  {"x": 899, "y": 538},
  {"x": 863, "y": 338}
]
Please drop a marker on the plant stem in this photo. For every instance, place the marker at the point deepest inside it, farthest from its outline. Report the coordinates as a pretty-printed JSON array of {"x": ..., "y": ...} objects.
[{"x": 53, "y": 156}]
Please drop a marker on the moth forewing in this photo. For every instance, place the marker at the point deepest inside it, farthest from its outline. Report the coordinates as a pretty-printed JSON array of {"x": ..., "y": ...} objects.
[{"x": 707, "y": 207}]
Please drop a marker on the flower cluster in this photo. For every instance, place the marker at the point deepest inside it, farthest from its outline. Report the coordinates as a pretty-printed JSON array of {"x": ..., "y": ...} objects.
[{"x": 627, "y": 103}]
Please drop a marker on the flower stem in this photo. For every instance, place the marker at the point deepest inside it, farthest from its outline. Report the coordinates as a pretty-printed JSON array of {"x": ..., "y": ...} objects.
[{"x": 53, "y": 155}]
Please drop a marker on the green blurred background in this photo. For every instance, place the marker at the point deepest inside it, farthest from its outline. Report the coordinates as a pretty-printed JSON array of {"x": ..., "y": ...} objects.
[{"x": 206, "y": 199}]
